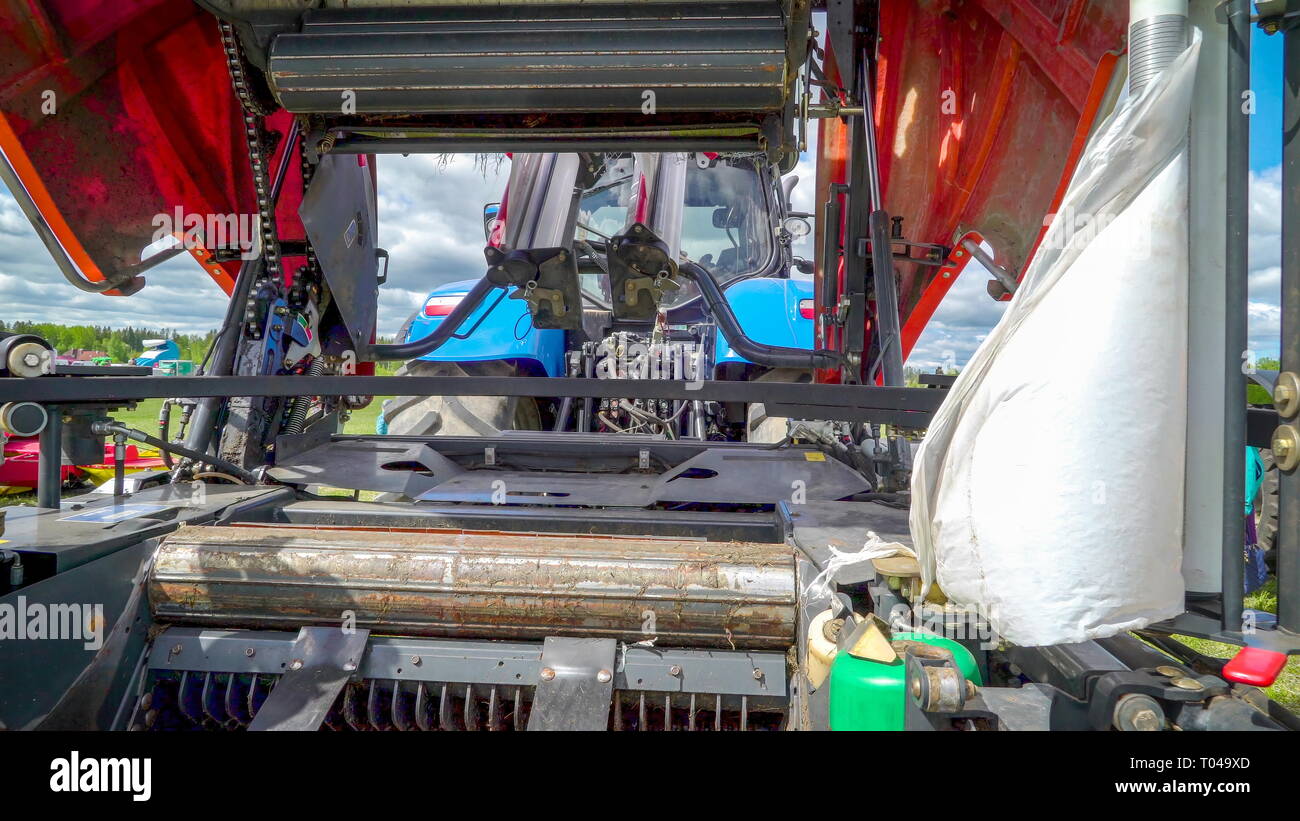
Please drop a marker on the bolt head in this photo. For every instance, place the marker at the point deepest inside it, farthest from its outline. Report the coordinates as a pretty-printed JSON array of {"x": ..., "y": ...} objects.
[
  {"x": 758, "y": 674},
  {"x": 1146, "y": 721},
  {"x": 675, "y": 670},
  {"x": 416, "y": 660},
  {"x": 604, "y": 676},
  {"x": 177, "y": 649},
  {"x": 31, "y": 360},
  {"x": 548, "y": 674},
  {"x": 250, "y": 652},
  {"x": 296, "y": 664}
]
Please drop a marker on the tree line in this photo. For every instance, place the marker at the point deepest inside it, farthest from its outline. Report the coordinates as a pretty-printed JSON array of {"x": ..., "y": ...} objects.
[{"x": 122, "y": 344}]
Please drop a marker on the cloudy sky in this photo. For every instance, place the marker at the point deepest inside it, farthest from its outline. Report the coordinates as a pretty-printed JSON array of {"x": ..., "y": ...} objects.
[{"x": 430, "y": 223}]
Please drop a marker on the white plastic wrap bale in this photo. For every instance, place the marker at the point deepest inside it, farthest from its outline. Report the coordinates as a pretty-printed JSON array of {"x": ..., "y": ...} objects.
[{"x": 1048, "y": 491}]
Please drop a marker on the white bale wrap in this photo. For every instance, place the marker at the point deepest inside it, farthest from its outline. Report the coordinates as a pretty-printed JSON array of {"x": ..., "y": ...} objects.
[{"x": 1048, "y": 491}]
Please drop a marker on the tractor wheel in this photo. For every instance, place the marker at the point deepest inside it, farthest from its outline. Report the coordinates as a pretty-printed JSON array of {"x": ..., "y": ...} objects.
[
  {"x": 459, "y": 415},
  {"x": 764, "y": 429},
  {"x": 1266, "y": 503}
]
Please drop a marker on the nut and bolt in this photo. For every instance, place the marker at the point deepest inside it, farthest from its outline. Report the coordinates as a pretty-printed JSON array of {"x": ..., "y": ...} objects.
[
  {"x": 758, "y": 674},
  {"x": 1147, "y": 721},
  {"x": 675, "y": 670},
  {"x": 249, "y": 652},
  {"x": 416, "y": 660}
]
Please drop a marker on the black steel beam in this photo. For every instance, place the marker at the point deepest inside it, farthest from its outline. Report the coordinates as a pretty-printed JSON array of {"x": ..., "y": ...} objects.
[
  {"x": 903, "y": 406},
  {"x": 1288, "y": 529},
  {"x": 49, "y": 467},
  {"x": 1236, "y": 272}
]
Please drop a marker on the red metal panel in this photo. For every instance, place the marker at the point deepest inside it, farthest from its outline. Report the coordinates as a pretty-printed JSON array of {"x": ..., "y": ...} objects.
[
  {"x": 144, "y": 121},
  {"x": 982, "y": 108}
]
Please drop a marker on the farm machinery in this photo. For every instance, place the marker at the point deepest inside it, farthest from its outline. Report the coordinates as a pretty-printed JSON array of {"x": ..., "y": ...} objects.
[{"x": 637, "y": 476}]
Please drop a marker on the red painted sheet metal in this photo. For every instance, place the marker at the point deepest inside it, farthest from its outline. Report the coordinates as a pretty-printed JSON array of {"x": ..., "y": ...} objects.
[
  {"x": 143, "y": 121},
  {"x": 982, "y": 107}
]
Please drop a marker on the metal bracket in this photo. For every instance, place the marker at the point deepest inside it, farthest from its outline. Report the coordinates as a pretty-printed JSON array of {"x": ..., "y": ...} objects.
[
  {"x": 575, "y": 686},
  {"x": 323, "y": 659}
]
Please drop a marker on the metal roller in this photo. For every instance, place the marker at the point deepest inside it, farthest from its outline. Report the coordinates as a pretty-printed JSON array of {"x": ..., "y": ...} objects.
[
  {"x": 731, "y": 595},
  {"x": 475, "y": 58}
]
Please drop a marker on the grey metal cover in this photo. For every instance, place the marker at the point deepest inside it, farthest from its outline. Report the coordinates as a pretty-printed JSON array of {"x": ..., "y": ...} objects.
[{"x": 472, "y": 59}]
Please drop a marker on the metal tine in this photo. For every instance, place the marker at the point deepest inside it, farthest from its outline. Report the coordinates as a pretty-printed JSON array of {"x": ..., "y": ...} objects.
[
  {"x": 744, "y": 713},
  {"x": 471, "y": 708},
  {"x": 519, "y": 708},
  {"x": 398, "y": 713},
  {"x": 617, "y": 700},
  {"x": 374, "y": 708},
  {"x": 213, "y": 706},
  {"x": 235, "y": 701},
  {"x": 494, "y": 710},
  {"x": 352, "y": 708},
  {"x": 423, "y": 709},
  {"x": 254, "y": 691},
  {"x": 668, "y": 712},
  {"x": 641, "y": 720},
  {"x": 188, "y": 699},
  {"x": 717, "y": 713},
  {"x": 690, "y": 722},
  {"x": 446, "y": 718}
]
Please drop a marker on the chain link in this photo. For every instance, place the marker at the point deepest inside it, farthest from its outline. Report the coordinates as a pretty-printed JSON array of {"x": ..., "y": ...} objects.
[{"x": 254, "y": 113}]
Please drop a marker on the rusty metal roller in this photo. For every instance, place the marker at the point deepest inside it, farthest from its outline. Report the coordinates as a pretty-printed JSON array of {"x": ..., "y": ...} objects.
[{"x": 479, "y": 585}]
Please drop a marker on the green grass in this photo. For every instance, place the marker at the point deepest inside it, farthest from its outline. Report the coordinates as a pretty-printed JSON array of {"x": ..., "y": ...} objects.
[
  {"x": 363, "y": 421},
  {"x": 144, "y": 417},
  {"x": 1286, "y": 690}
]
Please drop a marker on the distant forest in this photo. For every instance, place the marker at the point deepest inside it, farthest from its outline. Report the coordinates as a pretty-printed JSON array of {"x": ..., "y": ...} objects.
[{"x": 122, "y": 344}]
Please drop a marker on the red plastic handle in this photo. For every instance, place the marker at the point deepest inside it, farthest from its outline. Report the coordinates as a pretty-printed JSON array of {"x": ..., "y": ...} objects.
[{"x": 1254, "y": 666}]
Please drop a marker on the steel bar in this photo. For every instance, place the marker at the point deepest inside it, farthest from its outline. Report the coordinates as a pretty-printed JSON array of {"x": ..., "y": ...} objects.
[
  {"x": 884, "y": 281},
  {"x": 224, "y": 348},
  {"x": 109, "y": 388},
  {"x": 49, "y": 470},
  {"x": 1288, "y": 530},
  {"x": 1236, "y": 273}
]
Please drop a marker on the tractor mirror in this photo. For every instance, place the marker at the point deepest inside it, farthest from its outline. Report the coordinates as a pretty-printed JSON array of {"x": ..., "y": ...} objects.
[{"x": 490, "y": 212}]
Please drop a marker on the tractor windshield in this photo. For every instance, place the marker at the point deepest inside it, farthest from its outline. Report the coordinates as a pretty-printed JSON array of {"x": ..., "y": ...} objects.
[{"x": 726, "y": 226}]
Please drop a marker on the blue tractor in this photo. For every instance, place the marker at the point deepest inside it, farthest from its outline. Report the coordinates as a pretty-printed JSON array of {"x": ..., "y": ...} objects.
[{"x": 728, "y": 215}]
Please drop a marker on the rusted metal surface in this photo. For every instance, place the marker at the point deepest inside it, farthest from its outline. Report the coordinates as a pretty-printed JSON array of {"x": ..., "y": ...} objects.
[{"x": 679, "y": 593}]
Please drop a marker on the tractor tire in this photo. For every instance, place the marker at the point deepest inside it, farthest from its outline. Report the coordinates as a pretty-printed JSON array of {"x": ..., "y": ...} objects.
[
  {"x": 764, "y": 429},
  {"x": 459, "y": 415},
  {"x": 1266, "y": 503}
]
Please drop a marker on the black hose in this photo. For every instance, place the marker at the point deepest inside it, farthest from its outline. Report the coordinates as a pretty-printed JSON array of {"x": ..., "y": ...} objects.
[
  {"x": 413, "y": 350},
  {"x": 774, "y": 356},
  {"x": 108, "y": 428}
]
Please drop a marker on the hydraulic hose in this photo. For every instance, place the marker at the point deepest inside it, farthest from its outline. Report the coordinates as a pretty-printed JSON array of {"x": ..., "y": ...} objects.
[
  {"x": 109, "y": 428},
  {"x": 449, "y": 326},
  {"x": 774, "y": 356}
]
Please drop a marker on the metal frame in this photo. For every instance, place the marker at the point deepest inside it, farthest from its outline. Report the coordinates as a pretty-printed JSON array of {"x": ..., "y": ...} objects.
[{"x": 908, "y": 407}]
